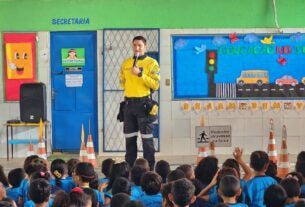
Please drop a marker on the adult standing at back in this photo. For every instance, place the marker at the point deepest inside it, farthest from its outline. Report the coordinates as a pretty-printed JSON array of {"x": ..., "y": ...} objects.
[{"x": 139, "y": 76}]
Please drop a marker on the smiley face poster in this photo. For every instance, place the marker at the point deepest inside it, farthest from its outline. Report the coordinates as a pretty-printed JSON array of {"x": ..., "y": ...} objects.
[{"x": 19, "y": 62}]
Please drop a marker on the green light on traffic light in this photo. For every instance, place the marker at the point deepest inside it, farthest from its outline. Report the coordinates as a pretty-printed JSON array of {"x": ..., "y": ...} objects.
[{"x": 211, "y": 68}]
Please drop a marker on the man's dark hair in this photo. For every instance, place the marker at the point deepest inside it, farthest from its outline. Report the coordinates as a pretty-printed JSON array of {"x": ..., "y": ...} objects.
[
  {"x": 175, "y": 175},
  {"x": 15, "y": 177},
  {"x": 183, "y": 190},
  {"x": 106, "y": 166},
  {"x": 163, "y": 169},
  {"x": 119, "y": 200},
  {"x": 139, "y": 38},
  {"x": 275, "y": 196},
  {"x": 259, "y": 160},
  {"x": 40, "y": 190},
  {"x": 229, "y": 185},
  {"x": 151, "y": 183},
  {"x": 291, "y": 186},
  {"x": 121, "y": 185},
  {"x": 136, "y": 174}
]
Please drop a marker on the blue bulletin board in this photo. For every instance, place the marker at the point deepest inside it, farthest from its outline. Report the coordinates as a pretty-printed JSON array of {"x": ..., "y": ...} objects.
[{"x": 233, "y": 66}]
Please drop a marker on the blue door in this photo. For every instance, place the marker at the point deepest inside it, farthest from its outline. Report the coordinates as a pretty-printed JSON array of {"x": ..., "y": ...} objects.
[{"x": 74, "y": 89}]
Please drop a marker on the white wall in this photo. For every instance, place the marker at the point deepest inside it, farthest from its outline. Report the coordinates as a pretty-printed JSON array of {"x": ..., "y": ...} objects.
[{"x": 250, "y": 130}]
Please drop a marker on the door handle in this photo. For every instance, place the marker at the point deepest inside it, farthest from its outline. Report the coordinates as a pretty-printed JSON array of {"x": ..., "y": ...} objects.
[{"x": 53, "y": 93}]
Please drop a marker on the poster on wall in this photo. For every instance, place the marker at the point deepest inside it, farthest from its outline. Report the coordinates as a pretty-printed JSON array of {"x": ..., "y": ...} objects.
[
  {"x": 231, "y": 66},
  {"x": 72, "y": 57},
  {"x": 19, "y": 62}
]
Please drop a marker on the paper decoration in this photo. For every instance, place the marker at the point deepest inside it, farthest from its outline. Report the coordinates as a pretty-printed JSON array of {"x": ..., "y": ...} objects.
[
  {"x": 267, "y": 40},
  {"x": 209, "y": 106},
  {"x": 233, "y": 37},
  {"x": 282, "y": 60},
  {"x": 220, "y": 106},
  {"x": 242, "y": 106},
  {"x": 254, "y": 105},
  {"x": 265, "y": 106},
  {"x": 251, "y": 38},
  {"x": 186, "y": 106},
  {"x": 180, "y": 44},
  {"x": 197, "y": 106},
  {"x": 219, "y": 41},
  {"x": 276, "y": 106},
  {"x": 297, "y": 37},
  {"x": 200, "y": 49},
  {"x": 231, "y": 106},
  {"x": 288, "y": 106},
  {"x": 19, "y": 60},
  {"x": 299, "y": 105}
]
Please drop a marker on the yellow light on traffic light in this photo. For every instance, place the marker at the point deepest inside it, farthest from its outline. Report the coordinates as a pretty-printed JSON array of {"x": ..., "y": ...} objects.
[{"x": 211, "y": 61}]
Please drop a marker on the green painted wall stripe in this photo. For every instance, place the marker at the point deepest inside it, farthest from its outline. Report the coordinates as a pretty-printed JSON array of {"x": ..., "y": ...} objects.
[{"x": 36, "y": 15}]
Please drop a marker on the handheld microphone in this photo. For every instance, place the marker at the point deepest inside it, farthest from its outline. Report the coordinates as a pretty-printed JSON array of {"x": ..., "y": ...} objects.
[{"x": 136, "y": 59}]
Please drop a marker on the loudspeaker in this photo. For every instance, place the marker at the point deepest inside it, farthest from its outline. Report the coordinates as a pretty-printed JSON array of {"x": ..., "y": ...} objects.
[{"x": 33, "y": 102}]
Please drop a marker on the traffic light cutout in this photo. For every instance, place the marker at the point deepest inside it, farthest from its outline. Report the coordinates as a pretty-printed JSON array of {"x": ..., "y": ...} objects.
[{"x": 211, "y": 61}]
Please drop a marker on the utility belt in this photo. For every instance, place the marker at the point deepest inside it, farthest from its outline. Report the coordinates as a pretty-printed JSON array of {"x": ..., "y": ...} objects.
[{"x": 136, "y": 99}]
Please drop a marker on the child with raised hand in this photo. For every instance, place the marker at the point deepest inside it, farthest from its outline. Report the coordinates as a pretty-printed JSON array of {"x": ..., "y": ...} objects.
[
  {"x": 40, "y": 191},
  {"x": 229, "y": 189},
  {"x": 293, "y": 190},
  {"x": 163, "y": 169},
  {"x": 15, "y": 178},
  {"x": 84, "y": 173},
  {"x": 255, "y": 188},
  {"x": 78, "y": 198},
  {"x": 274, "y": 196},
  {"x": 182, "y": 193},
  {"x": 136, "y": 174},
  {"x": 59, "y": 170},
  {"x": 151, "y": 185}
]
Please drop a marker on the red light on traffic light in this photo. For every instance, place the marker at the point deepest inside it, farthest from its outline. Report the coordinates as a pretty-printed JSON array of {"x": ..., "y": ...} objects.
[{"x": 212, "y": 55}]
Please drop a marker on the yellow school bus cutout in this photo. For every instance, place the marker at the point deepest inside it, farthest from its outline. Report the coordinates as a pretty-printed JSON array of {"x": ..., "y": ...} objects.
[{"x": 258, "y": 77}]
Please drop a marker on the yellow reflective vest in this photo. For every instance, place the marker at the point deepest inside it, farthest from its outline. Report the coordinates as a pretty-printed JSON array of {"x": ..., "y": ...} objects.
[{"x": 135, "y": 86}]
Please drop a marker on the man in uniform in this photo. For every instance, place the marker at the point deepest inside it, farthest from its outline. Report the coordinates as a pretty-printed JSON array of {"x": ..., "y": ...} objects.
[{"x": 139, "y": 76}]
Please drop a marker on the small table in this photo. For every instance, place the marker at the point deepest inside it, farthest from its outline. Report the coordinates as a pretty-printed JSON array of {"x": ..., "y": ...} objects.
[{"x": 10, "y": 135}]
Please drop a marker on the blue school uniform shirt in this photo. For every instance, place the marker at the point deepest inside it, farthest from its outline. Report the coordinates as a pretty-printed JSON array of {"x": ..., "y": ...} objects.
[
  {"x": 151, "y": 200},
  {"x": 136, "y": 192},
  {"x": 255, "y": 189},
  {"x": 302, "y": 191},
  {"x": 66, "y": 184},
  {"x": 290, "y": 205},
  {"x": 103, "y": 180},
  {"x": 237, "y": 204},
  {"x": 24, "y": 188},
  {"x": 14, "y": 193}
]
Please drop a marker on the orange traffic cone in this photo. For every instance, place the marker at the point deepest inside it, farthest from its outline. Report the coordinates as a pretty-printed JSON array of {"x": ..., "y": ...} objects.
[
  {"x": 30, "y": 150},
  {"x": 272, "y": 153},
  {"x": 41, "y": 145},
  {"x": 90, "y": 151},
  {"x": 83, "y": 157},
  {"x": 283, "y": 167},
  {"x": 202, "y": 151},
  {"x": 212, "y": 148}
]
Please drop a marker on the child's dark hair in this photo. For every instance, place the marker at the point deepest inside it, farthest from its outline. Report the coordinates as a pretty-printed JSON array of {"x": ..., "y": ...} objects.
[
  {"x": 163, "y": 169},
  {"x": 61, "y": 199},
  {"x": 165, "y": 191},
  {"x": 140, "y": 38},
  {"x": 85, "y": 171},
  {"x": 232, "y": 163},
  {"x": 3, "y": 178},
  {"x": 59, "y": 169},
  {"x": 106, "y": 166},
  {"x": 121, "y": 185},
  {"x": 119, "y": 200},
  {"x": 28, "y": 161},
  {"x": 198, "y": 186},
  {"x": 175, "y": 175},
  {"x": 121, "y": 169},
  {"x": 41, "y": 175},
  {"x": 142, "y": 162},
  {"x": 9, "y": 202},
  {"x": 134, "y": 204},
  {"x": 259, "y": 160},
  {"x": 291, "y": 186},
  {"x": 296, "y": 176},
  {"x": 71, "y": 165},
  {"x": 222, "y": 205},
  {"x": 94, "y": 182},
  {"x": 183, "y": 190},
  {"x": 300, "y": 168},
  {"x": 37, "y": 164},
  {"x": 272, "y": 169},
  {"x": 78, "y": 198},
  {"x": 301, "y": 156},
  {"x": 229, "y": 185},
  {"x": 40, "y": 190},
  {"x": 90, "y": 192},
  {"x": 224, "y": 172},
  {"x": 136, "y": 174},
  {"x": 151, "y": 183},
  {"x": 187, "y": 169},
  {"x": 15, "y": 177},
  {"x": 206, "y": 169},
  {"x": 275, "y": 196}
]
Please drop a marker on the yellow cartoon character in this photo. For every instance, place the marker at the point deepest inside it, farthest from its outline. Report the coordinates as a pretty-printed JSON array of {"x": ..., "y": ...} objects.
[{"x": 19, "y": 60}]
